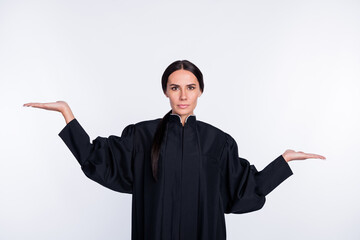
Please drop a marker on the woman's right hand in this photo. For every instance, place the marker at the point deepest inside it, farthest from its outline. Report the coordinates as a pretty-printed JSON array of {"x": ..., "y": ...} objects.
[{"x": 59, "y": 106}]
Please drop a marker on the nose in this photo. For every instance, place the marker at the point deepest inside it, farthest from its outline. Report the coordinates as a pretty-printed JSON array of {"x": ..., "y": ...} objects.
[{"x": 183, "y": 95}]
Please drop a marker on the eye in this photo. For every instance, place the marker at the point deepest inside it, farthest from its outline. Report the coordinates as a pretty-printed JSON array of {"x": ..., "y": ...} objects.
[
  {"x": 174, "y": 88},
  {"x": 191, "y": 87}
]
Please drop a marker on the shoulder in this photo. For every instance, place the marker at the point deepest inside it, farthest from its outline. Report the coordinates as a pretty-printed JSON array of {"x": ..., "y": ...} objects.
[
  {"x": 146, "y": 128},
  {"x": 209, "y": 127},
  {"x": 214, "y": 133},
  {"x": 217, "y": 133},
  {"x": 148, "y": 123}
]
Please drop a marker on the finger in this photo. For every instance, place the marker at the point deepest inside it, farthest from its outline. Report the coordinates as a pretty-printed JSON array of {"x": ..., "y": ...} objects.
[
  {"x": 28, "y": 104},
  {"x": 311, "y": 155},
  {"x": 35, "y": 105}
]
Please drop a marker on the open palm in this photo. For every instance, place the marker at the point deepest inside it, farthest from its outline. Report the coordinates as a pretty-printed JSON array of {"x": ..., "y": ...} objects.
[
  {"x": 290, "y": 155},
  {"x": 59, "y": 106}
]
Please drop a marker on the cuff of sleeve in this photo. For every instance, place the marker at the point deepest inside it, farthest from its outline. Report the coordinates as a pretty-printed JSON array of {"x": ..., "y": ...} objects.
[
  {"x": 76, "y": 139},
  {"x": 284, "y": 166},
  {"x": 275, "y": 173},
  {"x": 68, "y": 125}
]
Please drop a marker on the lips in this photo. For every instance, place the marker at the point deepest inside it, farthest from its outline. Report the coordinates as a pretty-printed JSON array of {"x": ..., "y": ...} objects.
[{"x": 183, "y": 105}]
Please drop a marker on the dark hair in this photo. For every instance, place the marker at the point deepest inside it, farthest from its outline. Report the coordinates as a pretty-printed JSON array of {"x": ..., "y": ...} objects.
[{"x": 160, "y": 131}]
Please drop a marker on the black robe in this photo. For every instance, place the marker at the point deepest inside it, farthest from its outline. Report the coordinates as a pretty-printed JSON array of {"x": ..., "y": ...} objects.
[{"x": 201, "y": 176}]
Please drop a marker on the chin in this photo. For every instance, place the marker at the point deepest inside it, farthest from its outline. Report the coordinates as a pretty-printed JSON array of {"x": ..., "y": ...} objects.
[{"x": 184, "y": 111}]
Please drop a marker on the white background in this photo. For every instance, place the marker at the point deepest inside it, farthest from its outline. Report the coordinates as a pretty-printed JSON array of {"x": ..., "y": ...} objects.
[{"x": 278, "y": 75}]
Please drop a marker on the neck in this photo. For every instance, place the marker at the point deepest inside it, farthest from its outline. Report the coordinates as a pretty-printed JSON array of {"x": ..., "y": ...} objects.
[{"x": 183, "y": 116}]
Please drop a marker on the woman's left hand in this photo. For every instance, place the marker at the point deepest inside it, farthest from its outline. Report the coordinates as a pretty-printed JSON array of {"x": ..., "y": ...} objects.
[{"x": 290, "y": 155}]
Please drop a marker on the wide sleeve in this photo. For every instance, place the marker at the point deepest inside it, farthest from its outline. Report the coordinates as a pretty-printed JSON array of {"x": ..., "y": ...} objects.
[
  {"x": 243, "y": 188},
  {"x": 107, "y": 161}
]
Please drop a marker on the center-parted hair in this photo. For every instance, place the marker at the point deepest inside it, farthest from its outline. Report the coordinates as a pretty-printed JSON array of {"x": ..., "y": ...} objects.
[{"x": 160, "y": 131}]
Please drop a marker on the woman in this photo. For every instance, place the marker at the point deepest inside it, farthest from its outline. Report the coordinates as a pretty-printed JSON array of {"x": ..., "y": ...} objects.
[{"x": 183, "y": 174}]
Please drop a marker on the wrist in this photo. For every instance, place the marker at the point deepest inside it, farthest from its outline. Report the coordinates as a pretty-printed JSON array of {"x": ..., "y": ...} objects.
[
  {"x": 68, "y": 115},
  {"x": 285, "y": 158}
]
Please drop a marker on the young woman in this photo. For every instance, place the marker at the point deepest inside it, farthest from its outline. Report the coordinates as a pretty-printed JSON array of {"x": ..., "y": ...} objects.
[{"x": 183, "y": 174}]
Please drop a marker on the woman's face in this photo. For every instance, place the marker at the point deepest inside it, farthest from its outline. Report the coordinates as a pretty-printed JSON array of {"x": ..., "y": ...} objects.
[{"x": 183, "y": 91}]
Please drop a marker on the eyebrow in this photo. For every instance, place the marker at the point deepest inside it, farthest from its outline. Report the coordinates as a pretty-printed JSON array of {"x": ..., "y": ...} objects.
[{"x": 191, "y": 84}]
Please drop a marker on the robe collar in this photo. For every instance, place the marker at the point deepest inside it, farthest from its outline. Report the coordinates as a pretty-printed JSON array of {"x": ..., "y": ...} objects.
[{"x": 190, "y": 120}]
